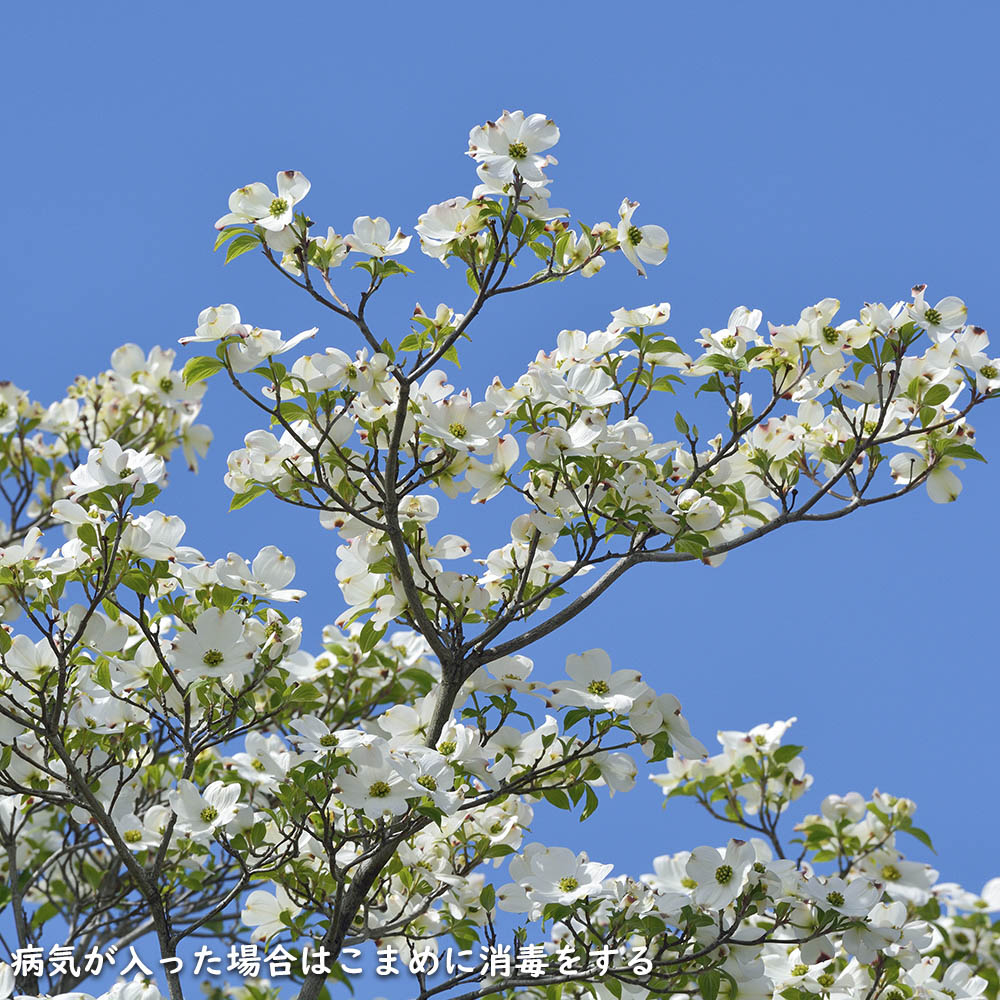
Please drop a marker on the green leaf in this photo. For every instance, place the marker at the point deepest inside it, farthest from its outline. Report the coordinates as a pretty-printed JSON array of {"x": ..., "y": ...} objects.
[
  {"x": 557, "y": 797},
  {"x": 864, "y": 354},
  {"x": 499, "y": 851},
  {"x": 199, "y": 369},
  {"x": 922, "y": 835},
  {"x": 369, "y": 637},
  {"x": 936, "y": 395},
  {"x": 573, "y": 716},
  {"x": 394, "y": 267},
  {"x": 661, "y": 748},
  {"x": 708, "y": 984},
  {"x": 431, "y": 812},
  {"x": 241, "y": 245},
  {"x": 103, "y": 675},
  {"x": 5, "y": 641},
  {"x": 242, "y": 499},
  {"x": 722, "y": 362},
  {"x": 964, "y": 451},
  {"x": 227, "y": 234},
  {"x": 488, "y": 897},
  {"x": 137, "y": 580},
  {"x": 45, "y": 912},
  {"x": 665, "y": 346},
  {"x": 787, "y": 753},
  {"x": 591, "y": 804}
]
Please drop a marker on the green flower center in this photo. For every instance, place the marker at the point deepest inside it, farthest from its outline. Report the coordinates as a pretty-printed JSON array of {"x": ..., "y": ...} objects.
[
  {"x": 257, "y": 765},
  {"x": 870, "y": 426},
  {"x": 496, "y": 828},
  {"x": 598, "y": 687},
  {"x": 932, "y": 317},
  {"x": 988, "y": 371},
  {"x": 729, "y": 342},
  {"x": 447, "y": 747},
  {"x": 329, "y": 740},
  {"x": 724, "y": 874},
  {"x": 634, "y": 235},
  {"x": 835, "y": 898},
  {"x": 760, "y": 739},
  {"x": 568, "y": 883},
  {"x": 891, "y": 873},
  {"x": 830, "y": 335},
  {"x": 826, "y": 980},
  {"x": 517, "y": 150},
  {"x": 689, "y": 883},
  {"x": 379, "y": 789},
  {"x": 125, "y": 473},
  {"x": 4, "y": 409},
  {"x": 426, "y": 781},
  {"x": 800, "y": 969},
  {"x": 166, "y": 384},
  {"x": 132, "y": 836},
  {"x": 759, "y": 868},
  {"x": 278, "y": 207},
  {"x": 457, "y": 430},
  {"x": 212, "y": 658},
  {"x": 351, "y": 371},
  {"x": 209, "y": 814}
]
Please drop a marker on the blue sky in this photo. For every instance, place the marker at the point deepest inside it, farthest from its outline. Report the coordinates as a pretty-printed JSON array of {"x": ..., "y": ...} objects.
[{"x": 792, "y": 153}]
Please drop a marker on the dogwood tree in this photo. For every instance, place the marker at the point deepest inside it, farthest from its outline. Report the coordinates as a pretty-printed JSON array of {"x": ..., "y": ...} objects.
[{"x": 177, "y": 767}]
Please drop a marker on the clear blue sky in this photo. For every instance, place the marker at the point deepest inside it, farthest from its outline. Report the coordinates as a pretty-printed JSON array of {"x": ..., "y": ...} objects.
[{"x": 792, "y": 151}]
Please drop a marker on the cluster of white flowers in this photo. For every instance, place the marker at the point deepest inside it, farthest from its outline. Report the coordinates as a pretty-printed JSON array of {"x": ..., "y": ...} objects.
[
  {"x": 875, "y": 924},
  {"x": 171, "y": 756}
]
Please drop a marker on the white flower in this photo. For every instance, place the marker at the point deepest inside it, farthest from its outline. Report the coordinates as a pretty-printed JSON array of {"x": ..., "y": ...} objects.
[
  {"x": 214, "y": 323},
  {"x": 258, "y": 205},
  {"x": 111, "y": 465},
  {"x": 376, "y": 787},
  {"x": 643, "y": 316},
  {"x": 431, "y": 775},
  {"x": 651, "y": 714},
  {"x": 374, "y": 237},
  {"x": 850, "y": 899},
  {"x": 442, "y": 224},
  {"x": 514, "y": 143},
  {"x": 255, "y": 345},
  {"x": 140, "y": 988},
  {"x": 263, "y": 912},
  {"x": 17, "y": 552},
  {"x": 269, "y": 576},
  {"x": 594, "y": 686},
  {"x": 489, "y": 480},
  {"x": 719, "y": 878},
  {"x": 940, "y": 321},
  {"x": 851, "y": 807},
  {"x": 943, "y": 486},
  {"x": 640, "y": 243},
  {"x": 199, "y": 815},
  {"x": 462, "y": 424},
  {"x": 550, "y": 875},
  {"x": 316, "y": 739},
  {"x": 216, "y": 649}
]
